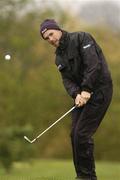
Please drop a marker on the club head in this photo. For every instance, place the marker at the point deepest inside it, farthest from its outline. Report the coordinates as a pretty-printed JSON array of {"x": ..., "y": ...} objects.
[{"x": 27, "y": 139}]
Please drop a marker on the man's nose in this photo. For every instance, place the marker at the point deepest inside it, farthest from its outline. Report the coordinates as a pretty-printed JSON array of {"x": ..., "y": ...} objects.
[{"x": 50, "y": 38}]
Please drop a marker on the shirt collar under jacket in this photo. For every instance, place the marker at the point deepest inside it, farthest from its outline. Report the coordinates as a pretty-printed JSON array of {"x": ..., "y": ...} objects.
[{"x": 63, "y": 42}]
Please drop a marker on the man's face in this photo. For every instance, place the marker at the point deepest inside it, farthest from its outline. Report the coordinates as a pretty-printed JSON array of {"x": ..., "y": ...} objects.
[{"x": 53, "y": 36}]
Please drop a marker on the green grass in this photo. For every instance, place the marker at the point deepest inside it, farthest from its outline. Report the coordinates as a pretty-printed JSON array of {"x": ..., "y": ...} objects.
[{"x": 57, "y": 170}]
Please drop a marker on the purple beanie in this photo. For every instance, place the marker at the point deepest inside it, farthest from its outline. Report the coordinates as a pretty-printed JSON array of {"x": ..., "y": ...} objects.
[{"x": 48, "y": 24}]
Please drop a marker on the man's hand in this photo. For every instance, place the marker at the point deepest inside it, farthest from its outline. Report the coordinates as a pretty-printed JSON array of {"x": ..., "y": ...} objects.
[
  {"x": 86, "y": 95},
  {"x": 81, "y": 99}
]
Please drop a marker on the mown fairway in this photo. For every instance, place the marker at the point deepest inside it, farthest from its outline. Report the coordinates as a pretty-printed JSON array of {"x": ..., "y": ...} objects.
[{"x": 57, "y": 170}]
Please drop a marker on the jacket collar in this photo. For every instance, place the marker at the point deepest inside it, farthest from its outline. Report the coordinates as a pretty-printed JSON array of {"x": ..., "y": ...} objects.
[{"x": 63, "y": 42}]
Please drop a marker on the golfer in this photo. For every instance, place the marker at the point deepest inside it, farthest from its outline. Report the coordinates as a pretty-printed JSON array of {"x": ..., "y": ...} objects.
[{"x": 87, "y": 80}]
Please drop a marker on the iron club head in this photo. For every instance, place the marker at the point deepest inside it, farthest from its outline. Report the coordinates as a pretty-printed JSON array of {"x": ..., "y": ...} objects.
[{"x": 27, "y": 139}]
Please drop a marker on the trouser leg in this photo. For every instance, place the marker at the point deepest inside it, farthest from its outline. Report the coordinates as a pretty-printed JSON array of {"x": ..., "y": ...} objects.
[
  {"x": 85, "y": 123},
  {"x": 82, "y": 152}
]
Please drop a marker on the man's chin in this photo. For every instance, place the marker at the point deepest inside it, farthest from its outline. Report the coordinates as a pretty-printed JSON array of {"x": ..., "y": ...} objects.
[{"x": 55, "y": 45}]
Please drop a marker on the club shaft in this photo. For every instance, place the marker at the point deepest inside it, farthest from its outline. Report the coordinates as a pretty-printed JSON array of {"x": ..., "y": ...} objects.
[{"x": 55, "y": 122}]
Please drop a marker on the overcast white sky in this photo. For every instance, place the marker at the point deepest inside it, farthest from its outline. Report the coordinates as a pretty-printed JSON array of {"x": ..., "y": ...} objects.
[
  {"x": 73, "y": 2},
  {"x": 73, "y": 5}
]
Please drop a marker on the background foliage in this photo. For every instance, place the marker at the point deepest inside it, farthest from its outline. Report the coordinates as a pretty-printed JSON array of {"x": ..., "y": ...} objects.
[{"x": 31, "y": 92}]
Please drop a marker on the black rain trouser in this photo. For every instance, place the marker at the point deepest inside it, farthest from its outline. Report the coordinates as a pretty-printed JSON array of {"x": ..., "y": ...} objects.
[{"x": 85, "y": 121}]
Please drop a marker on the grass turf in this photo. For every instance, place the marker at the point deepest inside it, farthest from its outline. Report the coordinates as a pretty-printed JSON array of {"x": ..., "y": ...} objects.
[{"x": 57, "y": 170}]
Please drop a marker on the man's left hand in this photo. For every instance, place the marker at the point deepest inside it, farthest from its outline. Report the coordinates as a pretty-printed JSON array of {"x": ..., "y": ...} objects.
[{"x": 86, "y": 95}]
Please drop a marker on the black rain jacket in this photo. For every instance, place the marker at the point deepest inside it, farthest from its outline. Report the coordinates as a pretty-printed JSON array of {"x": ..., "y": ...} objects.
[{"x": 81, "y": 63}]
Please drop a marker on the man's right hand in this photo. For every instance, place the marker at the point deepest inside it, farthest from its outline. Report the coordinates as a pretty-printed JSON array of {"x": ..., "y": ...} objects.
[{"x": 80, "y": 101}]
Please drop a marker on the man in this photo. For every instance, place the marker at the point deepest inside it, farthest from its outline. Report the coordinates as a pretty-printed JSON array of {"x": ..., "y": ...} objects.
[{"x": 87, "y": 80}]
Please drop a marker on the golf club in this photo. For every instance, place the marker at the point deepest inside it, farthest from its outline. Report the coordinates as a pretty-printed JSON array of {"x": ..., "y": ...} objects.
[{"x": 32, "y": 141}]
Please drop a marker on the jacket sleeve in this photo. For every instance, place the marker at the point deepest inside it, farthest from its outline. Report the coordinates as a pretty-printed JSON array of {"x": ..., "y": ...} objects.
[
  {"x": 91, "y": 63},
  {"x": 71, "y": 87}
]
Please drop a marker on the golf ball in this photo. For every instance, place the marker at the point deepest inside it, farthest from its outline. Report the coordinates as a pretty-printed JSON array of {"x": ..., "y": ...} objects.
[{"x": 7, "y": 57}]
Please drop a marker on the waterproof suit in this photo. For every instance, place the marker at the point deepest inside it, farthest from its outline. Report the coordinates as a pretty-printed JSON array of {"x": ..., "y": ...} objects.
[{"x": 83, "y": 68}]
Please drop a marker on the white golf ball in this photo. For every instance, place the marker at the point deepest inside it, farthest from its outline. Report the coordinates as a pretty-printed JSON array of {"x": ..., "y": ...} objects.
[{"x": 7, "y": 57}]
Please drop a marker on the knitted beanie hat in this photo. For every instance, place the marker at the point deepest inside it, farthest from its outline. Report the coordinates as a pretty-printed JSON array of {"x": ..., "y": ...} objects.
[{"x": 48, "y": 24}]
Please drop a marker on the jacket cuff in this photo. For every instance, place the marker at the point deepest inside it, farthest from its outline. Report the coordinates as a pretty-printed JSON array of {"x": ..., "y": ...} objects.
[
  {"x": 86, "y": 89},
  {"x": 75, "y": 94}
]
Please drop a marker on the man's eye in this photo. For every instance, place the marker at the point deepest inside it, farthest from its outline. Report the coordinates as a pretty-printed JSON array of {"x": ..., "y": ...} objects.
[
  {"x": 50, "y": 34},
  {"x": 46, "y": 38}
]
